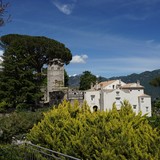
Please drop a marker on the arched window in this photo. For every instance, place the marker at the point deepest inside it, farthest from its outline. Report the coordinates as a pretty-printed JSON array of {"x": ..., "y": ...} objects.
[{"x": 95, "y": 108}]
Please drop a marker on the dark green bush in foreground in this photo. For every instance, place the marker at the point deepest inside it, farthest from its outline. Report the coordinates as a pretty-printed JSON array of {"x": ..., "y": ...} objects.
[{"x": 17, "y": 124}]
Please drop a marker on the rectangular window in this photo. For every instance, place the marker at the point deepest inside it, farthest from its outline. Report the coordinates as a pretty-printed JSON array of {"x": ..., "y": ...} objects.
[
  {"x": 147, "y": 109},
  {"x": 134, "y": 106},
  {"x": 142, "y": 100},
  {"x": 92, "y": 98},
  {"x": 117, "y": 93}
]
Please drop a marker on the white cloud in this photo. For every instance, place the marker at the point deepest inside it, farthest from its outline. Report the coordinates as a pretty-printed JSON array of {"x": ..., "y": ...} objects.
[
  {"x": 64, "y": 8},
  {"x": 79, "y": 59}
]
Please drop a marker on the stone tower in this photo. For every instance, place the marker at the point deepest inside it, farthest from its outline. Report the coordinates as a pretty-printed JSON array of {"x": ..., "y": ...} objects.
[{"x": 55, "y": 77}]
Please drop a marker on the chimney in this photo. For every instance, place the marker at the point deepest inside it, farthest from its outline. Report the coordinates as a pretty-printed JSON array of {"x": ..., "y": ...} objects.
[
  {"x": 92, "y": 85},
  {"x": 138, "y": 82},
  {"x": 96, "y": 86}
]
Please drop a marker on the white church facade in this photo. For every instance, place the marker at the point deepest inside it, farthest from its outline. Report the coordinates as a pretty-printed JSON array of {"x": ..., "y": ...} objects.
[{"x": 102, "y": 96}]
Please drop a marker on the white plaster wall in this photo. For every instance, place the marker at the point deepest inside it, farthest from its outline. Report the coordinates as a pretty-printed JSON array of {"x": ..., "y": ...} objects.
[
  {"x": 132, "y": 97},
  {"x": 114, "y": 84},
  {"x": 95, "y": 102},
  {"x": 114, "y": 96},
  {"x": 119, "y": 95},
  {"x": 146, "y": 102}
]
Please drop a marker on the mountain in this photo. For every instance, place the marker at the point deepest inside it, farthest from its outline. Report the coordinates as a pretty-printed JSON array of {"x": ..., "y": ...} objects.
[
  {"x": 144, "y": 78},
  {"x": 74, "y": 81}
]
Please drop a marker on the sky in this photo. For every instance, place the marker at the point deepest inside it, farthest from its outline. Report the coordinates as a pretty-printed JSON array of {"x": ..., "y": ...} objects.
[{"x": 106, "y": 37}]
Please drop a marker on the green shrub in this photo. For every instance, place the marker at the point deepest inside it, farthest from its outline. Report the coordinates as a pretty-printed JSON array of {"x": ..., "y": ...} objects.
[
  {"x": 17, "y": 124},
  {"x": 11, "y": 152},
  {"x": 111, "y": 135},
  {"x": 3, "y": 106}
]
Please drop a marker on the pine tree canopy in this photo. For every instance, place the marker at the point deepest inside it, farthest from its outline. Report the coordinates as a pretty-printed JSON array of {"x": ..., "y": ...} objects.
[
  {"x": 86, "y": 79},
  {"x": 111, "y": 135},
  {"x": 24, "y": 59}
]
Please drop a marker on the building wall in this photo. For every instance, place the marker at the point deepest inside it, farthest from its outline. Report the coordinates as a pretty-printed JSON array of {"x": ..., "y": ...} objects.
[
  {"x": 74, "y": 94},
  {"x": 144, "y": 105},
  {"x": 55, "y": 76},
  {"x": 105, "y": 98},
  {"x": 92, "y": 98},
  {"x": 114, "y": 85},
  {"x": 116, "y": 96}
]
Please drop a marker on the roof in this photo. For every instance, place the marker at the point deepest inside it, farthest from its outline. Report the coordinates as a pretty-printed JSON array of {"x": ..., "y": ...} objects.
[
  {"x": 144, "y": 95},
  {"x": 132, "y": 85},
  {"x": 106, "y": 83}
]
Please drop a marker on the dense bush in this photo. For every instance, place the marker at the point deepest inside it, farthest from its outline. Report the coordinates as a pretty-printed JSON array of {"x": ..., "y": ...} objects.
[
  {"x": 11, "y": 152},
  {"x": 17, "y": 124},
  {"x": 111, "y": 135}
]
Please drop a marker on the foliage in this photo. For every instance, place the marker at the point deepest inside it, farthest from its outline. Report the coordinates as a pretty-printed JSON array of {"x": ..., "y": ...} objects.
[
  {"x": 24, "y": 60},
  {"x": 156, "y": 107},
  {"x": 3, "y": 17},
  {"x": 86, "y": 80},
  {"x": 155, "y": 82},
  {"x": 66, "y": 78},
  {"x": 3, "y": 106},
  {"x": 113, "y": 134},
  {"x": 155, "y": 121},
  {"x": 11, "y": 152},
  {"x": 17, "y": 124}
]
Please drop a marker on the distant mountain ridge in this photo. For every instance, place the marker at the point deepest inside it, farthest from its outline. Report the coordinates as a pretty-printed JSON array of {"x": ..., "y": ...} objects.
[{"x": 144, "y": 78}]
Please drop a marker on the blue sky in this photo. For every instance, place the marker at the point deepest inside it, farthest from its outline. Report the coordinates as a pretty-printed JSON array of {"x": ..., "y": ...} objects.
[{"x": 107, "y": 37}]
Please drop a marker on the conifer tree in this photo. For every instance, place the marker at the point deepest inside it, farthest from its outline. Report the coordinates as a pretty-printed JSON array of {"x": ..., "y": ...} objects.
[{"x": 24, "y": 59}]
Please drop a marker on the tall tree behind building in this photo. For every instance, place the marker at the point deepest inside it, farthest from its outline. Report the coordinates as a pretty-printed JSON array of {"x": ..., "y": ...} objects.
[
  {"x": 86, "y": 80},
  {"x": 24, "y": 59}
]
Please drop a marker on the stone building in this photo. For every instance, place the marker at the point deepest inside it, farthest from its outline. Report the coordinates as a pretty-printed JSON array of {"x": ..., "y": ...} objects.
[
  {"x": 75, "y": 94},
  {"x": 55, "y": 91}
]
